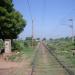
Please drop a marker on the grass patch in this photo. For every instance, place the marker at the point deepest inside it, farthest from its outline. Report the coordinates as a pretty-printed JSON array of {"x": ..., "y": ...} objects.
[
  {"x": 27, "y": 52},
  {"x": 63, "y": 48},
  {"x": 12, "y": 58}
]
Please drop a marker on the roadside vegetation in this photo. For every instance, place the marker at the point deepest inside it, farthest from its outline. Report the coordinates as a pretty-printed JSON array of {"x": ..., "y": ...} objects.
[
  {"x": 64, "y": 49},
  {"x": 12, "y": 24},
  {"x": 1, "y": 44},
  {"x": 22, "y": 48}
]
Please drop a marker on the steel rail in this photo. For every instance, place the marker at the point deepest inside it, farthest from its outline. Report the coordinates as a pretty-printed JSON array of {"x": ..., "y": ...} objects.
[{"x": 62, "y": 65}]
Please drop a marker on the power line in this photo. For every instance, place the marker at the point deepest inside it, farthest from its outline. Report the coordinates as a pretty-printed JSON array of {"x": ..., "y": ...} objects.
[
  {"x": 32, "y": 21},
  {"x": 29, "y": 9},
  {"x": 43, "y": 15}
]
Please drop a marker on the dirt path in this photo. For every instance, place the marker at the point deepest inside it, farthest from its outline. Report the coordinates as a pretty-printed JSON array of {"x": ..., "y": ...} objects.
[{"x": 15, "y": 68}]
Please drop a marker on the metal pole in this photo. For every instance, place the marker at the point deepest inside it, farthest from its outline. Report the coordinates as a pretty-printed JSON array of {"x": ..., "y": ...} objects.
[
  {"x": 72, "y": 30},
  {"x": 32, "y": 33}
]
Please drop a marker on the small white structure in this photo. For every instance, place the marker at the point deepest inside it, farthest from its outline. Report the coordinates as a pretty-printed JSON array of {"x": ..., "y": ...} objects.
[{"x": 7, "y": 46}]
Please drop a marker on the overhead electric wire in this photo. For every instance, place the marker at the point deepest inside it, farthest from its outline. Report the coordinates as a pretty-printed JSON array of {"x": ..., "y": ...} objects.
[
  {"x": 29, "y": 7},
  {"x": 43, "y": 15},
  {"x": 44, "y": 8}
]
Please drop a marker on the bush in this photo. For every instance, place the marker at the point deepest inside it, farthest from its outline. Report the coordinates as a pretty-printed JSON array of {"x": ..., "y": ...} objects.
[
  {"x": 26, "y": 44},
  {"x": 1, "y": 44},
  {"x": 17, "y": 45}
]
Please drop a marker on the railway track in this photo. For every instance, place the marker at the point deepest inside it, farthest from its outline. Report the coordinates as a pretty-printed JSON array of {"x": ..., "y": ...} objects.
[
  {"x": 60, "y": 62},
  {"x": 34, "y": 59},
  {"x": 46, "y": 63}
]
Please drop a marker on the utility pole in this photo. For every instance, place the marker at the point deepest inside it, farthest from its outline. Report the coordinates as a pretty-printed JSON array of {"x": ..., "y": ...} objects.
[
  {"x": 32, "y": 35},
  {"x": 72, "y": 27},
  {"x": 32, "y": 32}
]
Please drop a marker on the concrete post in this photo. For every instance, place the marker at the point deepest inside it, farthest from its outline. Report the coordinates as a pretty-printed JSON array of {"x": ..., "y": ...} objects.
[{"x": 7, "y": 46}]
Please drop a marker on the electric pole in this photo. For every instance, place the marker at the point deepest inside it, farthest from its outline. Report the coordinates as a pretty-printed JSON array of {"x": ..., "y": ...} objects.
[
  {"x": 32, "y": 32},
  {"x": 72, "y": 27},
  {"x": 32, "y": 35}
]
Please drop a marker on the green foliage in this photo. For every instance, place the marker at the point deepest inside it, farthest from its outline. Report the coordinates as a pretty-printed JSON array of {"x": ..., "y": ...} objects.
[
  {"x": 28, "y": 38},
  {"x": 29, "y": 41},
  {"x": 26, "y": 44},
  {"x": 63, "y": 48},
  {"x": 1, "y": 44},
  {"x": 22, "y": 45},
  {"x": 34, "y": 42},
  {"x": 17, "y": 45},
  {"x": 11, "y": 21},
  {"x": 7, "y": 4},
  {"x": 44, "y": 39},
  {"x": 22, "y": 50},
  {"x": 62, "y": 45},
  {"x": 38, "y": 39},
  {"x": 12, "y": 58},
  {"x": 19, "y": 56},
  {"x": 16, "y": 57}
]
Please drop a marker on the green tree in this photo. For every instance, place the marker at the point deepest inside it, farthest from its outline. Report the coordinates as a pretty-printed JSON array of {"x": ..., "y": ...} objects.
[
  {"x": 11, "y": 21},
  {"x": 44, "y": 39},
  {"x": 29, "y": 41},
  {"x": 38, "y": 39},
  {"x": 29, "y": 38}
]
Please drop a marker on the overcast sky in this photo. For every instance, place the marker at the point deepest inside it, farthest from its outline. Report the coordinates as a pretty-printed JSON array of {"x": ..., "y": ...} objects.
[{"x": 50, "y": 17}]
